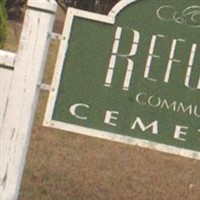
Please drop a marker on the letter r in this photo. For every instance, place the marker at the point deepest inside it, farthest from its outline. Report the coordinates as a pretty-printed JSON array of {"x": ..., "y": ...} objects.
[{"x": 132, "y": 52}]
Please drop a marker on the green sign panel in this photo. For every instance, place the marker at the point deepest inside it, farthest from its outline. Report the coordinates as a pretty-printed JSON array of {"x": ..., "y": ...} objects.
[{"x": 132, "y": 76}]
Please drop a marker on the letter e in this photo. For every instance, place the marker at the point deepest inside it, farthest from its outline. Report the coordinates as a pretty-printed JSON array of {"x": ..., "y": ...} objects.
[
  {"x": 178, "y": 132},
  {"x": 109, "y": 116}
]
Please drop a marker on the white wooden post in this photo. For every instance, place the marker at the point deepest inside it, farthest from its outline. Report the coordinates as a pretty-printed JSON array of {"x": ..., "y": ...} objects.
[
  {"x": 7, "y": 59},
  {"x": 5, "y": 79},
  {"x": 23, "y": 95}
]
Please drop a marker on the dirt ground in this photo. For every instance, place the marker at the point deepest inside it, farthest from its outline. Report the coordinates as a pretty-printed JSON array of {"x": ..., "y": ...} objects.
[{"x": 67, "y": 166}]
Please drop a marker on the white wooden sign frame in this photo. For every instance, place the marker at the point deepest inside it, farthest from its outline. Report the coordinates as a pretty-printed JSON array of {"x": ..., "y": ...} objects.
[{"x": 109, "y": 19}]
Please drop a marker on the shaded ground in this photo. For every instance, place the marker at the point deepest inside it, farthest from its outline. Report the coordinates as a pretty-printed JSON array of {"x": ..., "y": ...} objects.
[{"x": 68, "y": 166}]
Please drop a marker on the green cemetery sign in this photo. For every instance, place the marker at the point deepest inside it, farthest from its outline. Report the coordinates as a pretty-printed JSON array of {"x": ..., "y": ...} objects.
[{"x": 132, "y": 76}]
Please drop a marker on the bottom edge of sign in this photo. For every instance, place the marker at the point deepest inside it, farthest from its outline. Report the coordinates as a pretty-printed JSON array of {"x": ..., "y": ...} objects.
[{"x": 123, "y": 139}]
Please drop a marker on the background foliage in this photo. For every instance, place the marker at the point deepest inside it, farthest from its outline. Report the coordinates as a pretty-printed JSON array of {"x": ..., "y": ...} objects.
[
  {"x": 15, "y": 11},
  {"x": 15, "y": 7},
  {"x": 2, "y": 23}
]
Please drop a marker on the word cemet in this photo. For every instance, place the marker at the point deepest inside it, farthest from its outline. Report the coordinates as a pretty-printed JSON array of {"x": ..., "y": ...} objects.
[{"x": 79, "y": 110}]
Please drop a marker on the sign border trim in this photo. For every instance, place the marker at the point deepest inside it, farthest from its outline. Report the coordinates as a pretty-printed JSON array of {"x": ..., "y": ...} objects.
[{"x": 48, "y": 122}]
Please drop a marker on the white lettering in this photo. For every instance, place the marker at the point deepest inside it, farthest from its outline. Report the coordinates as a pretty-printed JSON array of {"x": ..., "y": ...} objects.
[
  {"x": 109, "y": 116},
  {"x": 189, "y": 68},
  {"x": 154, "y": 101},
  {"x": 154, "y": 125},
  {"x": 73, "y": 110},
  {"x": 181, "y": 107},
  {"x": 115, "y": 54},
  {"x": 143, "y": 99},
  {"x": 140, "y": 100},
  {"x": 178, "y": 132},
  {"x": 171, "y": 59},
  {"x": 166, "y": 104},
  {"x": 151, "y": 56},
  {"x": 195, "y": 112}
]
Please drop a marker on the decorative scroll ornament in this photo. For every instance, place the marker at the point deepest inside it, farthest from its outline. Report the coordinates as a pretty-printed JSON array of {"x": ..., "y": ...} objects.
[{"x": 189, "y": 17}]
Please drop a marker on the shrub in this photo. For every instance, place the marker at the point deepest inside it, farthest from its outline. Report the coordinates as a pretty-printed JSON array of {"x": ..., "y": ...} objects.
[
  {"x": 15, "y": 9},
  {"x": 2, "y": 23}
]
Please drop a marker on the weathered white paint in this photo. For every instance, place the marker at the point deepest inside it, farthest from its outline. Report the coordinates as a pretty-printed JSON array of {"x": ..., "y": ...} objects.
[
  {"x": 23, "y": 94},
  {"x": 45, "y": 87},
  {"x": 56, "y": 36},
  {"x": 5, "y": 79},
  {"x": 119, "y": 6},
  {"x": 7, "y": 58}
]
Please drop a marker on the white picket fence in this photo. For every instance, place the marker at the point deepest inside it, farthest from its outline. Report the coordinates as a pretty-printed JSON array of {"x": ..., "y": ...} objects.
[{"x": 19, "y": 92}]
